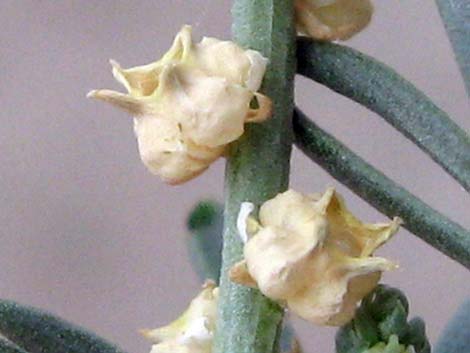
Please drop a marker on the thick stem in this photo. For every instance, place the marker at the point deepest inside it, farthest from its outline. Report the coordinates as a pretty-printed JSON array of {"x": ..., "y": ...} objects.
[
  {"x": 381, "y": 192},
  {"x": 382, "y": 90},
  {"x": 257, "y": 169}
]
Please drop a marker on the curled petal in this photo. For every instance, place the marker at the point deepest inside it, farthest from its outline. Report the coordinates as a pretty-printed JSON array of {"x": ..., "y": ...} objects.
[
  {"x": 313, "y": 255},
  {"x": 193, "y": 331},
  {"x": 189, "y": 105}
]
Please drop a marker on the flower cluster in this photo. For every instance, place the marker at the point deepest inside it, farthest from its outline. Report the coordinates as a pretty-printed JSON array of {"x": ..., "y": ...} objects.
[
  {"x": 191, "y": 103},
  {"x": 332, "y": 19},
  {"x": 311, "y": 254}
]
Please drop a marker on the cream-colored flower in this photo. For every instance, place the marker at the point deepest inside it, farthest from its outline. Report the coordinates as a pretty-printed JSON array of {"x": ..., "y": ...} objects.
[
  {"x": 191, "y": 103},
  {"x": 193, "y": 331},
  {"x": 332, "y": 19},
  {"x": 311, "y": 254}
]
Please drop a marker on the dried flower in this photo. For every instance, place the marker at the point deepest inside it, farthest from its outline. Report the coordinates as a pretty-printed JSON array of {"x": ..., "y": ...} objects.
[
  {"x": 311, "y": 254},
  {"x": 332, "y": 19},
  {"x": 193, "y": 331},
  {"x": 191, "y": 103}
]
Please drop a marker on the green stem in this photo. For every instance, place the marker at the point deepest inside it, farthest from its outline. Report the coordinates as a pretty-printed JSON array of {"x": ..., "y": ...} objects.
[
  {"x": 456, "y": 17},
  {"x": 382, "y": 90},
  {"x": 257, "y": 169},
  {"x": 380, "y": 191}
]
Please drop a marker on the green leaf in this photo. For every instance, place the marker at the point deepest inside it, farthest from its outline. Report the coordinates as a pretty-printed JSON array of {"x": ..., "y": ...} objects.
[
  {"x": 381, "y": 192},
  {"x": 394, "y": 323},
  {"x": 416, "y": 336},
  {"x": 9, "y": 347},
  {"x": 456, "y": 336},
  {"x": 205, "y": 224},
  {"x": 39, "y": 332},
  {"x": 380, "y": 326},
  {"x": 456, "y": 17},
  {"x": 382, "y": 90}
]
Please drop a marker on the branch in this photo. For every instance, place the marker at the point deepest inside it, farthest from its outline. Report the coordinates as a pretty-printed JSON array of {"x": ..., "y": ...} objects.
[
  {"x": 381, "y": 192},
  {"x": 382, "y": 90},
  {"x": 456, "y": 17},
  {"x": 257, "y": 169}
]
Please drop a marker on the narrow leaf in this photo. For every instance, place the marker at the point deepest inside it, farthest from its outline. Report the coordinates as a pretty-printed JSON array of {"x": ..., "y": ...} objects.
[
  {"x": 456, "y": 17},
  {"x": 39, "y": 332},
  {"x": 205, "y": 224},
  {"x": 381, "y": 192},
  {"x": 382, "y": 90},
  {"x": 9, "y": 347}
]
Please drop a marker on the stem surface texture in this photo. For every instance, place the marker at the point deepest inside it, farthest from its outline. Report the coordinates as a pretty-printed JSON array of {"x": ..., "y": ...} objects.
[
  {"x": 382, "y": 90},
  {"x": 257, "y": 169},
  {"x": 381, "y": 192}
]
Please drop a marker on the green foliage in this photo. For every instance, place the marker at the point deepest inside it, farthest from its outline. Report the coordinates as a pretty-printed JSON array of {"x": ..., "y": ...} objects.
[
  {"x": 456, "y": 336},
  {"x": 8, "y": 347},
  {"x": 205, "y": 224},
  {"x": 380, "y": 324},
  {"x": 35, "y": 331},
  {"x": 381, "y": 192},
  {"x": 456, "y": 17},
  {"x": 382, "y": 90}
]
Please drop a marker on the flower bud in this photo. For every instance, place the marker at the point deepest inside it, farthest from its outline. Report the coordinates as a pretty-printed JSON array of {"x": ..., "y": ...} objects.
[
  {"x": 332, "y": 19},
  {"x": 191, "y": 103},
  {"x": 193, "y": 331},
  {"x": 311, "y": 254}
]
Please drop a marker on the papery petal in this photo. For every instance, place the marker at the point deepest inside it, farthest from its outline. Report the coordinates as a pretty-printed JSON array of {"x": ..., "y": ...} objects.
[
  {"x": 311, "y": 253},
  {"x": 189, "y": 105},
  {"x": 332, "y": 20},
  {"x": 211, "y": 110},
  {"x": 279, "y": 262},
  {"x": 337, "y": 288},
  {"x": 165, "y": 152},
  {"x": 203, "y": 307},
  {"x": 353, "y": 236}
]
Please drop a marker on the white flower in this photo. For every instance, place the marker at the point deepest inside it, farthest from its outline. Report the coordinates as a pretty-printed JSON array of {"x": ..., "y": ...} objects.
[
  {"x": 191, "y": 103},
  {"x": 332, "y": 19},
  {"x": 311, "y": 254}
]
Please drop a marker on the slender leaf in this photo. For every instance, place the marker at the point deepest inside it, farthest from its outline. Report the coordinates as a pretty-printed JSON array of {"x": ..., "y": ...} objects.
[
  {"x": 456, "y": 17},
  {"x": 382, "y": 90},
  {"x": 381, "y": 192},
  {"x": 205, "y": 224},
  {"x": 456, "y": 335},
  {"x": 9, "y": 347},
  {"x": 39, "y": 332}
]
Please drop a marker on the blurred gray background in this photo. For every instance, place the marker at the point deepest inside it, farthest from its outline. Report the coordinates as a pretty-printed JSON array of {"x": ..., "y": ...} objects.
[{"x": 87, "y": 233}]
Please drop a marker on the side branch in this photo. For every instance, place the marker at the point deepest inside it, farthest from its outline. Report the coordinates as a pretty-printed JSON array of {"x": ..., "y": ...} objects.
[
  {"x": 381, "y": 192},
  {"x": 382, "y": 90}
]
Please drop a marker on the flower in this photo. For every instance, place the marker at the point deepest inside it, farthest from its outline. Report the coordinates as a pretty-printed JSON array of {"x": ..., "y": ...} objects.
[
  {"x": 191, "y": 103},
  {"x": 193, "y": 331},
  {"x": 332, "y": 19},
  {"x": 312, "y": 255}
]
